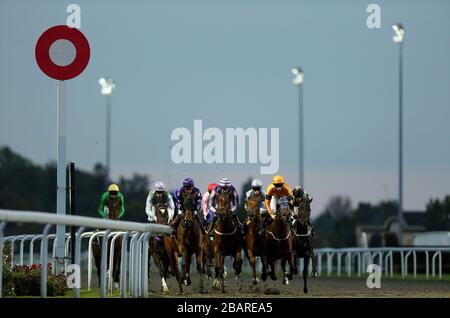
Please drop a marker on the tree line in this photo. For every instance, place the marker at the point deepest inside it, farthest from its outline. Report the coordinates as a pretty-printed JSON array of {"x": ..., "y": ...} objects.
[{"x": 28, "y": 186}]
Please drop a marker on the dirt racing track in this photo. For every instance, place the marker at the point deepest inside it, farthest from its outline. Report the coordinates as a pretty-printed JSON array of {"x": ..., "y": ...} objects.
[{"x": 318, "y": 287}]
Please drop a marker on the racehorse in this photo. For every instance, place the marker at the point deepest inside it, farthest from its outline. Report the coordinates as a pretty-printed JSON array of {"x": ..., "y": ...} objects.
[
  {"x": 277, "y": 243},
  {"x": 227, "y": 241},
  {"x": 113, "y": 206},
  {"x": 190, "y": 240},
  {"x": 162, "y": 249},
  {"x": 252, "y": 246},
  {"x": 303, "y": 237}
]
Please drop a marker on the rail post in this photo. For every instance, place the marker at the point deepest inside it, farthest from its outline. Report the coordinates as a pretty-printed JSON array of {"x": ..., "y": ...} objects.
[
  {"x": 103, "y": 265},
  {"x": 77, "y": 260},
  {"x": 44, "y": 256},
  {"x": 123, "y": 266}
]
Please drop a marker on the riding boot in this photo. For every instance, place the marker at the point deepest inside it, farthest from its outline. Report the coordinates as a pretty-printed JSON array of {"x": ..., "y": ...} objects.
[
  {"x": 175, "y": 224},
  {"x": 212, "y": 225},
  {"x": 263, "y": 224},
  {"x": 313, "y": 233},
  {"x": 201, "y": 222},
  {"x": 236, "y": 219},
  {"x": 245, "y": 226},
  {"x": 292, "y": 225}
]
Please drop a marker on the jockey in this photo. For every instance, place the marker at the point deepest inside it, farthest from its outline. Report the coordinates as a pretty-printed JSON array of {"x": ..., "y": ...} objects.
[
  {"x": 207, "y": 213},
  {"x": 224, "y": 186},
  {"x": 113, "y": 191},
  {"x": 159, "y": 195},
  {"x": 298, "y": 192},
  {"x": 188, "y": 187},
  {"x": 276, "y": 190},
  {"x": 256, "y": 190}
]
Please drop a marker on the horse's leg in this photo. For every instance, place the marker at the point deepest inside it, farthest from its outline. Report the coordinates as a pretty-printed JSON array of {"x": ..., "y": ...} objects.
[
  {"x": 285, "y": 273},
  {"x": 183, "y": 252},
  {"x": 188, "y": 268},
  {"x": 162, "y": 271},
  {"x": 97, "y": 253},
  {"x": 200, "y": 267},
  {"x": 237, "y": 263},
  {"x": 264, "y": 268},
  {"x": 292, "y": 267},
  {"x": 116, "y": 266},
  {"x": 305, "y": 274},
  {"x": 210, "y": 259},
  {"x": 173, "y": 258},
  {"x": 222, "y": 276},
  {"x": 217, "y": 268},
  {"x": 252, "y": 260},
  {"x": 314, "y": 264},
  {"x": 272, "y": 273}
]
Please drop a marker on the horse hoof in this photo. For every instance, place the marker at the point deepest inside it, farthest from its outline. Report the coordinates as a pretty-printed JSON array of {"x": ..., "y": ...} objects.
[
  {"x": 264, "y": 277},
  {"x": 203, "y": 291},
  {"x": 188, "y": 282},
  {"x": 314, "y": 274},
  {"x": 295, "y": 271},
  {"x": 254, "y": 281},
  {"x": 289, "y": 276},
  {"x": 116, "y": 286},
  {"x": 285, "y": 281},
  {"x": 185, "y": 282},
  {"x": 305, "y": 290},
  {"x": 236, "y": 277},
  {"x": 164, "y": 290}
]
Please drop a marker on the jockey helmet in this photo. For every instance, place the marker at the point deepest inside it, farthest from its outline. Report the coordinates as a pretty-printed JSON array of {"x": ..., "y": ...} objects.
[
  {"x": 212, "y": 186},
  {"x": 256, "y": 183},
  {"x": 278, "y": 179},
  {"x": 159, "y": 186},
  {"x": 297, "y": 192},
  {"x": 188, "y": 182},
  {"x": 225, "y": 183},
  {"x": 113, "y": 188}
]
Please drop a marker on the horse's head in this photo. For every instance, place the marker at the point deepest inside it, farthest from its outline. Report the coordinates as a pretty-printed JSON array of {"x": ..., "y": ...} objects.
[
  {"x": 161, "y": 213},
  {"x": 283, "y": 212},
  {"x": 223, "y": 205},
  {"x": 304, "y": 207},
  {"x": 189, "y": 201},
  {"x": 113, "y": 206},
  {"x": 253, "y": 202},
  {"x": 188, "y": 218}
]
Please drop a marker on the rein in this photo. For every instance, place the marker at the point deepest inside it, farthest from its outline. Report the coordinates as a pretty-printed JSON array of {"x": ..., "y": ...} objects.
[
  {"x": 308, "y": 233},
  {"x": 225, "y": 234},
  {"x": 278, "y": 239}
]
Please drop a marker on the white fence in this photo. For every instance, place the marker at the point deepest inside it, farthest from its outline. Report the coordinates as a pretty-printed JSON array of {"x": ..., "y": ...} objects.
[
  {"x": 134, "y": 260},
  {"x": 355, "y": 260}
]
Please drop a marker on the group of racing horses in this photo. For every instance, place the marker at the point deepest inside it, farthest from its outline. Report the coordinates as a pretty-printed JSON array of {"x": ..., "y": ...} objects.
[{"x": 280, "y": 241}]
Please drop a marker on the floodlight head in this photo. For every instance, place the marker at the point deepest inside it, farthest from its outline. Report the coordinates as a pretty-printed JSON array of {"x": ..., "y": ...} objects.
[
  {"x": 107, "y": 85},
  {"x": 399, "y": 33},
  {"x": 298, "y": 76}
]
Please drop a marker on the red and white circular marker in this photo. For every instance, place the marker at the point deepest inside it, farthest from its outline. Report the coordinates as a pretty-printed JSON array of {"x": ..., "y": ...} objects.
[{"x": 82, "y": 52}]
